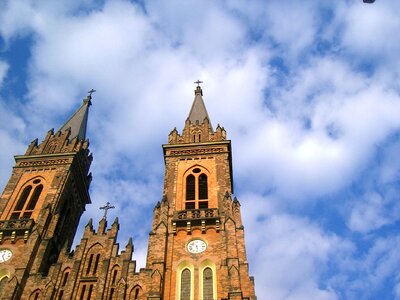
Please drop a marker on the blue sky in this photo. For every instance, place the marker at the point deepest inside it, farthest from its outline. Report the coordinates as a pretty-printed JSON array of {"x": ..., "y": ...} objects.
[{"x": 308, "y": 92}]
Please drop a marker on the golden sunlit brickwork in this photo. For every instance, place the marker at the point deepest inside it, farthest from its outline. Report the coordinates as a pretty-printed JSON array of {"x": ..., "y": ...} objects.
[{"x": 196, "y": 248}]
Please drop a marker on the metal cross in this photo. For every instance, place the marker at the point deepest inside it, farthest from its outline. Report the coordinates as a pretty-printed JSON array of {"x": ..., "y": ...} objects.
[
  {"x": 91, "y": 92},
  {"x": 198, "y": 82},
  {"x": 106, "y": 208}
]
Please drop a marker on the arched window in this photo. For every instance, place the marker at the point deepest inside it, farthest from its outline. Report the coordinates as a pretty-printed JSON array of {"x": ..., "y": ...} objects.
[
  {"x": 36, "y": 295},
  {"x": 190, "y": 187},
  {"x": 96, "y": 264},
  {"x": 208, "y": 282},
  {"x": 89, "y": 264},
  {"x": 185, "y": 284},
  {"x": 24, "y": 208},
  {"x": 35, "y": 197},
  {"x": 113, "y": 281},
  {"x": 24, "y": 196},
  {"x": 63, "y": 284},
  {"x": 196, "y": 190},
  {"x": 136, "y": 293},
  {"x": 190, "y": 192}
]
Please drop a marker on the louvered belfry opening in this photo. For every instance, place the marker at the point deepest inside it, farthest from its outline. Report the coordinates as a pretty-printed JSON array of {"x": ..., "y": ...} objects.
[{"x": 196, "y": 190}]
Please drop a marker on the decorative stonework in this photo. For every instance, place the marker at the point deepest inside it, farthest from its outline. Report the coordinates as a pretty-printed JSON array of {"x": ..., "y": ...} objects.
[
  {"x": 20, "y": 224},
  {"x": 44, "y": 162},
  {"x": 196, "y": 151}
]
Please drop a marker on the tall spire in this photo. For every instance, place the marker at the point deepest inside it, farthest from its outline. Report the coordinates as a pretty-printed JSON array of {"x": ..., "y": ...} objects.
[
  {"x": 78, "y": 121},
  {"x": 198, "y": 112}
]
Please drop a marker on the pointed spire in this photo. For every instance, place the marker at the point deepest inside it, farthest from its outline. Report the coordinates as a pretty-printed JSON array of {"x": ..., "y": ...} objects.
[
  {"x": 198, "y": 112},
  {"x": 78, "y": 121}
]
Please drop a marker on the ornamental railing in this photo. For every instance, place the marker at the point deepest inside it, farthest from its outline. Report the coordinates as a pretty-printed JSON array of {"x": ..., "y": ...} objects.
[
  {"x": 196, "y": 217},
  {"x": 192, "y": 214},
  {"x": 15, "y": 228}
]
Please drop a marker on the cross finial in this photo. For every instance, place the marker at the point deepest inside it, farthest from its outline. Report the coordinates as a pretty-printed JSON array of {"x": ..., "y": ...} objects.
[
  {"x": 198, "y": 82},
  {"x": 91, "y": 92},
  {"x": 106, "y": 208}
]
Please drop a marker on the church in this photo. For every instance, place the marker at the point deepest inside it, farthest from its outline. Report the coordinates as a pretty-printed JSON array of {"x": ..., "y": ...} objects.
[{"x": 196, "y": 247}]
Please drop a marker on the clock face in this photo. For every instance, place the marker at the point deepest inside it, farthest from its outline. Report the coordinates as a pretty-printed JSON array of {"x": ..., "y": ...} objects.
[
  {"x": 5, "y": 255},
  {"x": 196, "y": 246}
]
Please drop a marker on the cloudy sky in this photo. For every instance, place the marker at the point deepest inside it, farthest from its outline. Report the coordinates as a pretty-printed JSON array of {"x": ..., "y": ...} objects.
[{"x": 308, "y": 92}]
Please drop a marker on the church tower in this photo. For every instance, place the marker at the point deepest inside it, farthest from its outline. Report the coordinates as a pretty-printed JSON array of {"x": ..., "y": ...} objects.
[
  {"x": 41, "y": 205},
  {"x": 196, "y": 247}
]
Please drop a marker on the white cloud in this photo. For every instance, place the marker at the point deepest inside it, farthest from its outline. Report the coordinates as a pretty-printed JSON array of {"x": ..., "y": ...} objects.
[
  {"x": 290, "y": 253},
  {"x": 369, "y": 214},
  {"x": 10, "y": 137},
  {"x": 372, "y": 30},
  {"x": 315, "y": 134}
]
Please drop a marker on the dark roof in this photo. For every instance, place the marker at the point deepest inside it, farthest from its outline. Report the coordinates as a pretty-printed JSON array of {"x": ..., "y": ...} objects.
[
  {"x": 198, "y": 112},
  {"x": 78, "y": 121}
]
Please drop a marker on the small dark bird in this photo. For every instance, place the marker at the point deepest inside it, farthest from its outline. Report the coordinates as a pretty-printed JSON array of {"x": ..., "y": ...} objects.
[{"x": 368, "y": 1}]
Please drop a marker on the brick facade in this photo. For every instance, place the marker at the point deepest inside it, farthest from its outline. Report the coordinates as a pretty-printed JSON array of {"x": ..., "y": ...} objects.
[{"x": 196, "y": 208}]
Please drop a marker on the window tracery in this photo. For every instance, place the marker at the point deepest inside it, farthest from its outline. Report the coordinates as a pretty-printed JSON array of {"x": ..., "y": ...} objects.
[
  {"x": 196, "y": 189},
  {"x": 27, "y": 200}
]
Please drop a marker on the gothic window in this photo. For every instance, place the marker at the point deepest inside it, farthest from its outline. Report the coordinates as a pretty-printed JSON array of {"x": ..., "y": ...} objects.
[
  {"x": 82, "y": 292},
  {"x": 90, "y": 292},
  {"x": 36, "y": 295},
  {"x": 96, "y": 264},
  {"x": 27, "y": 200},
  {"x": 113, "y": 282},
  {"x": 190, "y": 187},
  {"x": 185, "y": 284},
  {"x": 63, "y": 284},
  {"x": 208, "y": 293},
  {"x": 135, "y": 293},
  {"x": 89, "y": 264},
  {"x": 35, "y": 197},
  {"x": 196, "y": 190},
  {"x": 24, "y": 196}
]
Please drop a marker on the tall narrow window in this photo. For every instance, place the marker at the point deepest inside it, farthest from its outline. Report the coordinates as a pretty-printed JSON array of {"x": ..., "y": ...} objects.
[
  {"x": 89, "y": 264},
  {"x": 96, "y": 264},
  {"x": 27, "y": 201},
  {"x": 137, "y": 294},
  {"x": 82, "y": 292},
  {"x": 90, "y": 292},
  {"x": 185, "y": 284},
  {"x": 190, "y": 192},
  {"x": 35, "y": 197},
  {"x": 190, "y": 187},
  {"x": 24, "y": 196},
  {"x": 63, "y": 283},
  {"x": 65, "y": 278},
  {"x": 196, "y": 190},
  {"x": 111, "y": 294},
  {"x": 208, "y": 292},
  {"x": 114, "y": 279},
  {"x": 203, "y": 187}
]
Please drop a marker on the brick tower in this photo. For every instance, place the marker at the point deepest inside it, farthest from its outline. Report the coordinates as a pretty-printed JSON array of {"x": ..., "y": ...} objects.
[
  {"x": 41, "y": 205},
  {"x": 196, "y": 246}
]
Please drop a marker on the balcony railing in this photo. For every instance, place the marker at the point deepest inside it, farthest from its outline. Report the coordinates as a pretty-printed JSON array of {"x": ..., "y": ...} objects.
[
  {"x": 189, "y": 218},
  {"x": 193, "y": 214},
  {"x": 17, "y": 224}
]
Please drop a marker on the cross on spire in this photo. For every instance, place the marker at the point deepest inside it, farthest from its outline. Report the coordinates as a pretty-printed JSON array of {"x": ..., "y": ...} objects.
[
  {"x": 198, "y": 82},
  {"x": 106, "y": 208},
  {"x": 91, "y": 92}
]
